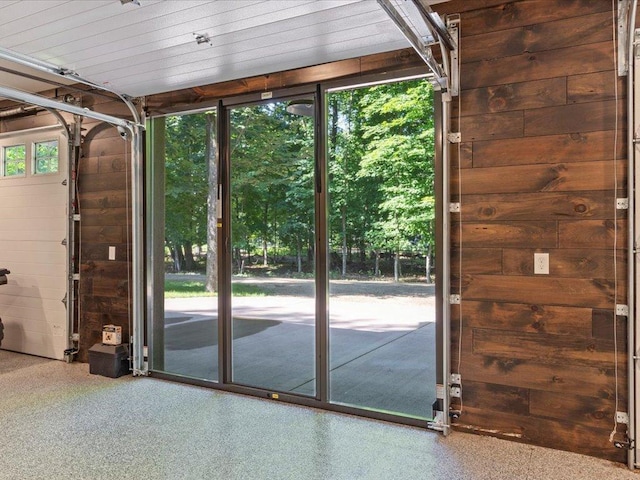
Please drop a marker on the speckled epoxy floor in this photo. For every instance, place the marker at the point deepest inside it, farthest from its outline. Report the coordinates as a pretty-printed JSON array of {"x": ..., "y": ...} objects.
[{"x": 59, "y": 422}]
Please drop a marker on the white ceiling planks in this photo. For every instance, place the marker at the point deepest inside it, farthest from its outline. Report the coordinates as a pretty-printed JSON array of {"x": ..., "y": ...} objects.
[{"x": 151, "y": 48}]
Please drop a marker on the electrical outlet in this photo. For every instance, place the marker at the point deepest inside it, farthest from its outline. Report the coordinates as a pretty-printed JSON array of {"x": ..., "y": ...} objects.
[{"x": 541, "y": 263}]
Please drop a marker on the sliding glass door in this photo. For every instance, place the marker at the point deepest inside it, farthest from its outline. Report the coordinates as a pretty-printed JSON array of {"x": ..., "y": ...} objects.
[{"x": 272, "y": 246}]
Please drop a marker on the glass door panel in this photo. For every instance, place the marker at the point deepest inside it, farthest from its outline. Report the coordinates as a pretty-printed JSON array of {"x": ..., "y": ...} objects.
[
  {"x": 272, "y": 246},
  {"x": 186, "y": 338},
  {"x": 381, "y": 215}
]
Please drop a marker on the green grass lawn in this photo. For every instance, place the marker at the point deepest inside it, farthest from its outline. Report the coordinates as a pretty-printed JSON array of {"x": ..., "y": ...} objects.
[{"x": 194, "y": 288}]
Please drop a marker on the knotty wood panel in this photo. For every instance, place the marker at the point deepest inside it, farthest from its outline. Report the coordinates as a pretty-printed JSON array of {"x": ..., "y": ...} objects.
[
  {"x": 514, "y": 96},
  {"x": 591, "y": 234},
  {"x": 521, "y": 317},
  {"x": 553, "y": 433},
  {"x": 501, "y": 398},
  {"x": 499, "y": 125},
  {"x": 478, "y": 260},
  {"x": 595, "y": 87},
  {"x": 543, "y": 348},
  {"x": 538, "y": 206},
  {"x": 590, "y": 411},
  {"x": 578, "y": 292},
  {"x": 575, "y": 118},
  {"x": 559, "y": 177},
  {"x": 581, "y": 263},
  {"x": 538, "y": 37},
  {"x": 594, "y": 57},
  {"x": 507, "y": 15},
  {"x": 511, "y": 234}
]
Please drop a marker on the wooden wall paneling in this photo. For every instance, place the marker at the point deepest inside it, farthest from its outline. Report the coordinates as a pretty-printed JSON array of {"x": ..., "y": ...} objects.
[
  {"x": 589, "y": 411},
  {"x": 514, "y": 96},
  {"x": 591, "y": 234},
  {"x": 596, "y": 87},
  {"x": 541, "y": 289},
  {"x": 577, "y": 263},
  {"x": 491, "y": 16},
  {"x": 503, "y": 234},
  {"x": 495, "y": 126},
  {"x": 541, "y": 206},
  {"x": 553, "y": 148},
  {"x": 537, "y": 37},
  {"x": 530, "y": 318},
  {"x": 590, "y": 58},
  {"x": 558, "y": 177},
  {"x": 577, "y": 117}
]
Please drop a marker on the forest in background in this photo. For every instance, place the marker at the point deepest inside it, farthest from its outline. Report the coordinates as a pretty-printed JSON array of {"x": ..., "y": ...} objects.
[{"x": 381, "y": 186}]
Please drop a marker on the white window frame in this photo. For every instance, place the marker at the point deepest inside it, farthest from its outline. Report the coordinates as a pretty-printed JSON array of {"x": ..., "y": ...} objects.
[
  {"x": 34, "y": 160},
  {"x": 3, "y": 165},
  {"x": 29, "y": 138}
]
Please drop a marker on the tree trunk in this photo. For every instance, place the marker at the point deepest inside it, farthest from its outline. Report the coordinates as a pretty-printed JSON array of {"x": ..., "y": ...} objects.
[
  {"x": 377, "y": 264},
  {"x": 178, "y": 258},
  {"x": 265, "y": 259},
  {"x": 344, "y": 241},
  {"x": 396, "y": 267},
  {"x": 428, "y": 265},
  {"x": 299, "y": 254},
  {"x": 189, "y": 262},
  {"x": 212, "y": 205}
]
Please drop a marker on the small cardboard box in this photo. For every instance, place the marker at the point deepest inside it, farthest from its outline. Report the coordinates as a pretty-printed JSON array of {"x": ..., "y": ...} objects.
[{"x": 111, "y": 335}]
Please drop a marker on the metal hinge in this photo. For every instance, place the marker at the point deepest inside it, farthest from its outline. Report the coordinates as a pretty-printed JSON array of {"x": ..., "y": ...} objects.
[
  {"x": 622, "y": 310},
  {"x": 622, "y": 417},
  {"x": 454, "y": 137},
  {"x": 455, "y": 299},
  {"x": 76, "y": 217},
  {"x": 454, "y": 207},
  {"x": 622, "y": 203}
]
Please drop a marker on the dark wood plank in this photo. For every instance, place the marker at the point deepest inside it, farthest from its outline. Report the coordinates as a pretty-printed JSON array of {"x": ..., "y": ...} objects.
[
  {"x": 506, "y": 15},
  {"x": 478, "y": 260},
  {"x": 99, "y": 304},
  {"x": 493, "y": 126},
  {"x": 498, "y": 398},
  {"x": 538, "y": 206},
  {"x": 559, "y": 177},
  {"x": 512, "y": 234},
  {"x": 596, "y": 87},
  {"x": 544, "y": 348},
  {"x": 575, "y": 118},
  {"x": 590, "y": 411},
  {"x": 592, "y": 234},
  {"x": 552, "y": 433},
  {"x": 578, "y": 292},
  {"x": 514, "y": 96},
  {"x": 100, "y": 252},
  {"x": 105, "y": 216},
  {"x": 602, "y": 325},
  {"x": 103, "y": 199},
  {"x": 531, "y": 318},
  {"x": 560, "y": 62},
  {"x": 537, "y": 37},
  {"x": 102, "y": 182},
  {"x": 576, "y": 263},
  {"x": 103, "y": 234}
]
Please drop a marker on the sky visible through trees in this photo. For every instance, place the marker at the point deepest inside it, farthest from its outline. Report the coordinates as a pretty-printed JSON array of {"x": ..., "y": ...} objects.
[{"x": 381, "y": 185}]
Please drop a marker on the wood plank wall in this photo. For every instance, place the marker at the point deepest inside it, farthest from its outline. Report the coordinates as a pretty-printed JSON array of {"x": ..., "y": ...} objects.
[
  {"x": 538, "y": 113},
  {"x": 105, "y": 216}
]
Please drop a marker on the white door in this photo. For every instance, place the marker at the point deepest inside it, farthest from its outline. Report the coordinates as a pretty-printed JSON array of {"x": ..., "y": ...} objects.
[{"x": 33, "y": 227}]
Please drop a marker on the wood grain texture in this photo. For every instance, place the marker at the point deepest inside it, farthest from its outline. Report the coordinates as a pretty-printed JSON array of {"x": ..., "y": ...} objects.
[
  {"x": 537, "y": 37},
  {"x": 495, "y": 126},
  {"x": 514, "y": 96},
  {"x": 541, "y": 206},
  {"x": 528, "y": 318},
  {"x": 576, "y": 263},
  {"x": 589, "y": 411},
  {"x": 506, "y": 234},
  {"x": 594, "y": 57},
  {"x": 595, "y": 87},
  {"x": 578, "y": 292},
  {"x": 559, "y": 177},
  {"x": 575, "y": 118},
  {"x": 565, "y": 148},
  {"x": 592, "y": 234}
]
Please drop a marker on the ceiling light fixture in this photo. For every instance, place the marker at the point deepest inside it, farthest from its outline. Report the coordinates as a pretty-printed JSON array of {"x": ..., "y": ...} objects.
[{"x": 303, "y": 106}]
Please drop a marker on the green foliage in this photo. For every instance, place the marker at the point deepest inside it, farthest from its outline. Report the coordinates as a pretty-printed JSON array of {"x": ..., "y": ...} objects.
[
  {"x": 195, "y": 288},
  {"x": 14, "y": 160}
]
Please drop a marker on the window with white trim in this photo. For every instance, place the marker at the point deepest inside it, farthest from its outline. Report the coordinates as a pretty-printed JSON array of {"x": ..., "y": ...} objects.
[
  {"x": 45, "y": 157},
  {"x": 14, "y": 161}
]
